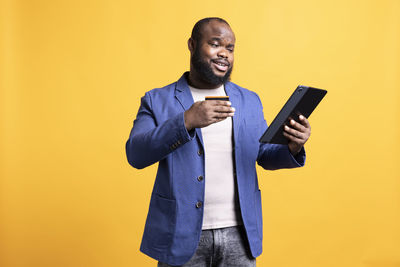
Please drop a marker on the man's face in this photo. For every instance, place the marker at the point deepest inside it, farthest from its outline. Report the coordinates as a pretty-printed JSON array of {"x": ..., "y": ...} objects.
[{"x": 212, "y": 57}]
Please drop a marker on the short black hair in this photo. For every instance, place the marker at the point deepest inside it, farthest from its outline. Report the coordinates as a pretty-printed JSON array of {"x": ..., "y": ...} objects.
[{"x": 196, "y": 32}]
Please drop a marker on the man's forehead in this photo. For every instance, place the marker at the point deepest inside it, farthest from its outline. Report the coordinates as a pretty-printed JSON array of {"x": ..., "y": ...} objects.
[{"x": 218, "y": 29}]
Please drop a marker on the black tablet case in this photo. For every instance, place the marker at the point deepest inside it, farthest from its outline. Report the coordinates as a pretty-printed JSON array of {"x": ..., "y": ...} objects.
[{"x": 303, "y": 101}]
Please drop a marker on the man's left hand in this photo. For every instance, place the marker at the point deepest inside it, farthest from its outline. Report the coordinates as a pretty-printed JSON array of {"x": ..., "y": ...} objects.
[{"x": 297, "y": 134}]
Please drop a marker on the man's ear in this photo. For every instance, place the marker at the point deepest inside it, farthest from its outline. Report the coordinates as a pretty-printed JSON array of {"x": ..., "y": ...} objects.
[{"x": 191, "y": 45}]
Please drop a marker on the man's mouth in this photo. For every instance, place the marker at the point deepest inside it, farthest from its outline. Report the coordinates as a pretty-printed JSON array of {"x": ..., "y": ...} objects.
[{"x": 221, "y": 65}]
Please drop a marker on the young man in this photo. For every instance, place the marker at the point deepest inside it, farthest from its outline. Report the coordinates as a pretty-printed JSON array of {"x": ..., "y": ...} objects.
[{"x": 205, "y": 208}]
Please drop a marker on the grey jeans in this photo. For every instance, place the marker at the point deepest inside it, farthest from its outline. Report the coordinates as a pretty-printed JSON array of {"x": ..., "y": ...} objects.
[{"x": 221, "y": 247}]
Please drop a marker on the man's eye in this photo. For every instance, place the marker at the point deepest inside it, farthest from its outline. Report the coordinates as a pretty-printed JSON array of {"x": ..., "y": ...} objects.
[{"x": 214, "y": 45}]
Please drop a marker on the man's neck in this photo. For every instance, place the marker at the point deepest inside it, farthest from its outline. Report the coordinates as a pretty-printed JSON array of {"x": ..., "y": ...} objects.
[{"x": 195, "y": 81}]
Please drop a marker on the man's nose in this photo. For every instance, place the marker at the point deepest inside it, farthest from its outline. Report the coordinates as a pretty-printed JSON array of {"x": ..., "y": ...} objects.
[{"x": 223, "y": 53}]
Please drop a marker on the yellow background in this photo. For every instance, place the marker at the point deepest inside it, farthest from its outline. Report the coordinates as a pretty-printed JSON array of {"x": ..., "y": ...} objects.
[{"x": 71, "y": 77}]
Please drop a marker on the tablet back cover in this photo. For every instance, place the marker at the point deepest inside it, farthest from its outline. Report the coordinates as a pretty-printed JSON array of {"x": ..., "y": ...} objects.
[{"x": 303, "y": 101}]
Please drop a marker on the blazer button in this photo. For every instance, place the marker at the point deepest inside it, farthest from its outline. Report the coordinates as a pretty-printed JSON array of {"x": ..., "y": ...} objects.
[
  {"x": 199, "y": 204},
  {"x": 200, "y": 178},
  {"x": 200, "y": 152}
]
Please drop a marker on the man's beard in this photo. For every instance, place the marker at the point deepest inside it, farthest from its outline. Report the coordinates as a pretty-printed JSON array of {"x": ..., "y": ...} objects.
[{"x": 205, "y": 71}]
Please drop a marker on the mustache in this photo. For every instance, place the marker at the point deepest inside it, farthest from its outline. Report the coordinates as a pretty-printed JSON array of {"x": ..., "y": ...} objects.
[{"x": 221, "y": 61}]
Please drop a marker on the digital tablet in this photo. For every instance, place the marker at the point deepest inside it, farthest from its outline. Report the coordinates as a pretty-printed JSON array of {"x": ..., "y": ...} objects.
[{"x": 303, "y": 101}]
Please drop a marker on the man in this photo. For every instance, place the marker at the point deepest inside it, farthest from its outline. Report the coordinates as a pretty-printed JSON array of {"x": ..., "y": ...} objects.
[{"x": 205, "y": 208}]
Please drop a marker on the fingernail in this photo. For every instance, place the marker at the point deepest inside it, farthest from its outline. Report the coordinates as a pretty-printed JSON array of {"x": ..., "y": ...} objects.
[
  {"x": 229, "y": 103},
  {"x": 233, "y": 109},
  {"x": 301, "y": 117},
  {"x": 286, "y": 127},
  {"x": 292, "y": 121},
  {"x": 231, "y": 114}
]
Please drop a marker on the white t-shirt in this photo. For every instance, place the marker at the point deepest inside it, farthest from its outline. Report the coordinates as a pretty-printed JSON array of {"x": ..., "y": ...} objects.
[{"x": 221, "y": 206}]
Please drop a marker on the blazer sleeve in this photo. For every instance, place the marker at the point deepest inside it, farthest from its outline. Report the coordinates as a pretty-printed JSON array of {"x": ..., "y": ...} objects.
[
  {"x": 276, "y": 156},
  {"x": 150, "y": 142}
]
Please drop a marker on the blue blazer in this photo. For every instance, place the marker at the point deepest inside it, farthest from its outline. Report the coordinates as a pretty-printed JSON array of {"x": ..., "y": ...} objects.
[{"x": 174, "y": 220}]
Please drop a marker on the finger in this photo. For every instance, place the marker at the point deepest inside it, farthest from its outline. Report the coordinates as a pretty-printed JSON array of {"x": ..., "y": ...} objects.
[
  {"x": 294, "y": 132},
  {"x": 220, "y": 103},
  {"x": 293, "y": 138},
  {"x": 294, "y": 124},
  {"x": 224, "y": 103},
  {"x": 304, "y": 121},
  {"x": 223, "y": 109},
  {"x": 218, "y": 119},
  {"x": 223, "y": 115}
]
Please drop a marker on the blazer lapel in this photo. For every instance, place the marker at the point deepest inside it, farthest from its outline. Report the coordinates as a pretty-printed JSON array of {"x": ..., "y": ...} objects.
[
  {"x": 183, "y": 94},
  {"x": 234, "y": 98},
  {"x": 185, "y": 98}
]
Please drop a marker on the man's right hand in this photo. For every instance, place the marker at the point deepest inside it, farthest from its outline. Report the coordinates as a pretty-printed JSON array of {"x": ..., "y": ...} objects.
[{"x": 204, "y": 113}]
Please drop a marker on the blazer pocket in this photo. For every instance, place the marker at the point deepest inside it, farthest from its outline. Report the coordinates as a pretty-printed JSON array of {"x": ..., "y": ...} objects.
[{"x": 160, "y": 223}]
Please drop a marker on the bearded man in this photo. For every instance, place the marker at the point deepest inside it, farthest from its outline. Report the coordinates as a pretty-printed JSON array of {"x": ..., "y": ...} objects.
[{"x": 205, "y": 208}]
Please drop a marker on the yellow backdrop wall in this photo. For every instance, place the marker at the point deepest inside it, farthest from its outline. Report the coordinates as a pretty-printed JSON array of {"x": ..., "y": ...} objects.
[{"x": 71, "y": 77}]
